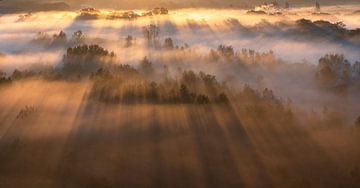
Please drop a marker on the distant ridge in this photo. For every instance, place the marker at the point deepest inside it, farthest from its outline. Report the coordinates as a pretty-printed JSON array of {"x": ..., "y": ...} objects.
[{"x": 31, "y": 6}]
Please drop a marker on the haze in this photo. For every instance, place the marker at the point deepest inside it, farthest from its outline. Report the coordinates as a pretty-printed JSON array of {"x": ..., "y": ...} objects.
[{"x": 179, "y": 93}]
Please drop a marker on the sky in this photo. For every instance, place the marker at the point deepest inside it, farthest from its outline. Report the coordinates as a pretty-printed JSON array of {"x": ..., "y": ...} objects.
[{"x": 138, "y": 4}]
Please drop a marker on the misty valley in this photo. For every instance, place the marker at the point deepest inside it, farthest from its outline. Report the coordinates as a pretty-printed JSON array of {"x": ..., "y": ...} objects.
[{"x": 195, "y": 97}]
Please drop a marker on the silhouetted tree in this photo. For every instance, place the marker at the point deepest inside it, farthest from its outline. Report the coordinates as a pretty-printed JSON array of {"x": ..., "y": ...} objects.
[
  {"x": 317, "y": 7},
  {"x": 222, "y": 98},
  {"x": 202, "y": 99},
  {"x": 214, "y": 55},
  {"x": 151, "y": 33},
  {"x": 102, "y": 74},
  {"x": 59, "y": 39},
  {"x": 168, "y": 44},
  {"x": 357, "y": 122},
  {"x": 78, "y": 37},
  {"x": 185, "y": 94},
  {"x": 268, "y": 94},
  {"x": 3, "y": 79},
  {"x": 16, "y": 74},
  {"x": 356, "y": 70},
  {"x": 84, "y": 59},
  {"x": 41, "y": 36},
  {"x": 226, "y": 51},
  {"x": 146, "y": 67},
  {"x": 152, "y": 94},
  {"x": 189, "y": 78},
  {"x": 160, "y": 10},
  {"x": 287, "y": 5},
  {"x": 129, "y": 95},
  {"x": 26, "y": 112},
  {"x": 88, "y": 14},
  {"x": 2, "y": 74},
  {"x": 333, "y": 70},
  {"x": 129, "y": 41},
  {"x": 249, "y": 94}
]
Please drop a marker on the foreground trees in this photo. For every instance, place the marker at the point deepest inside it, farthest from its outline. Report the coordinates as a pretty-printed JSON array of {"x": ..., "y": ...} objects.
[{"x": 128, "y": 85}]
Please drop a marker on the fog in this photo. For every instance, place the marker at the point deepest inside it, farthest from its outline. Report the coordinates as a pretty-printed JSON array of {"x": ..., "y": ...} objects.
[
  {"x": 195, "y": 97},
  {"x": 292, "y": 41}
]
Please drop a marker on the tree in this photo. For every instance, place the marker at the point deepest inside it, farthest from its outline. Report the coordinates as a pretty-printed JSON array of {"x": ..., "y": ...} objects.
[
  {"x": 160, "y": 10},
  {"x": 16, "y": 74},
  {"x": 214, "y": 55},
  {"x": 86, "y": 59},
  {"x": 185, "y": 94},
  {"x": 168, "y": 44},
  {"x": 356, "y": 70},
  {"x": 26, "y": 112},
  {"x": 2, "y": 74},
  {"x": 129, "y": 41},
  {"x": 287, "y": 5},
  {"x": 78, "y": 37},
  {"x": 268, "y": 94},
  {"x": 153, "y": 95},
  {"x": 222, "y": 98},
  {"x": 333, "y": 70},
  {"x": 102, "y": 74},
  {"x": 3, "y": 79},
  {"x": 146, "y": 66},
  {"x": 129, "y": 96},
  {"x": 41, "y": 36},
  {"x": 202, "y": 99},
  {"x": 317, "y": 7},
  {"x": 357, "y": 122},
  {"x": 59, "y": 39},
  {"x": 226, "y": 51},
  {"x": 151, "y": 33},
  {"x": 189, "y": 78},
  {"x": 249, "y": 93}
]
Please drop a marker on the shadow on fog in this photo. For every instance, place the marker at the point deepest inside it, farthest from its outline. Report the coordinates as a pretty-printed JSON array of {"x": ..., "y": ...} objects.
[
  {"x": 149, "y": 151},
  {"x": 166, "y": 145}
]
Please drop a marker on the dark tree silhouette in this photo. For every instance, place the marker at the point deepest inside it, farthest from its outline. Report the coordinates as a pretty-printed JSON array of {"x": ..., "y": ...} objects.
[
  {"x": 202, "y": 99},
  {"x": 185, "y": 94},
  {"x": 356, "y": 70},
  {"x": 2, "y": 74},
  {"x": 357, "y": 122},
  {"x": 168, "y": 44},
  {"x": 84, "y": 59},
  {"x": 333, "y": 71},
  {"x": 129, "y": 41},
  {"x": 287, "y": 5},
  {"x": 4, "y": 79},
  {"x": 222, "y": 98},
  {"x": 317, "y": 7},
  {"x": 59, "y": 39},
  {"x": 151, "y": 34},
  {"x": 146, "y": 67},
  {"x": 26, "y": 112},
  {"x": 78, "y": 37},
  {"x": 226, "y": 51}
]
